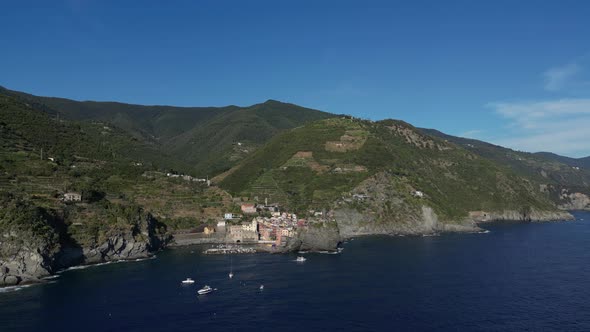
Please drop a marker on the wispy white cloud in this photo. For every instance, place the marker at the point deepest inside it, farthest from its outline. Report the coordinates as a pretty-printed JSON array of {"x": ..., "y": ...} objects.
[
  {"x": 557, "y": 78},
  {"x": 560, "y": 126}
]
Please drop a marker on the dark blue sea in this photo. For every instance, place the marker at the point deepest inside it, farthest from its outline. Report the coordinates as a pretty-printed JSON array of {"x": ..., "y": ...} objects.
[{"x": 519, "y": 276}]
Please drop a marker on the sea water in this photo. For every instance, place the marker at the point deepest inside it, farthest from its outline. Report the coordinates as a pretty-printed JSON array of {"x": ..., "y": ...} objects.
[{"x": 518, "y": 276}]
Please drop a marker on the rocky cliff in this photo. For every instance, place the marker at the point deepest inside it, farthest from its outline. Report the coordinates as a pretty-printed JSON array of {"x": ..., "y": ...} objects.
[
  {"x": 319, "y": 237},
  {"x": 386, "y": 204},
  {"x": 21, "y": 261},
  {"x": 574, "y": 201},
  {"x": 354, "y": 223},
  {"x": 26, "y": 255},
  {"x": 523, "y": 215},
  {"x": 136, "y": 239}
]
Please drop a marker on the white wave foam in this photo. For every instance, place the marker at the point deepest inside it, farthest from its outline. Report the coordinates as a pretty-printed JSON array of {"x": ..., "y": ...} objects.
[
  {"x": 9, "y": 289},
  {"x": 55, "y": 276},
  {"x": 145, "y": 259},
  {"x": 329, "y": 252},
  {"x": 83, "y": 267}
]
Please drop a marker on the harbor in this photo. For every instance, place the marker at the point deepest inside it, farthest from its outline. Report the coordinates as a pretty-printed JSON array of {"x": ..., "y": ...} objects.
[{"x": 229, "y": 249}]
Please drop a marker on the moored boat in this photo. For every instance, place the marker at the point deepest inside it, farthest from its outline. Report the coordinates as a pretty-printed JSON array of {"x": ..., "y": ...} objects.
[
  {"x": 205, "y": 290},
  {"x": 188, "y": 281},
  {"x": 231, "y": 268}
]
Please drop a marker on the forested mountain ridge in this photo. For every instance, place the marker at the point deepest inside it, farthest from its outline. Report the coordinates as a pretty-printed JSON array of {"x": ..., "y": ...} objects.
[{"x": 210, "y": 139}]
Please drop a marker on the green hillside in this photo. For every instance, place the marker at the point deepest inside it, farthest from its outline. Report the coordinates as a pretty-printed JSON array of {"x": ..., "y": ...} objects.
[
  {"x": 43, "y": 157},
  {"x": 210, "y": 139},
  {"x": 545, "y": 168},
  {"x": 575, "y": 162},
  {"x": 313, "y": 166},
  {"x": 282, "y": 153},
  {"x": 28, "y": 129}
]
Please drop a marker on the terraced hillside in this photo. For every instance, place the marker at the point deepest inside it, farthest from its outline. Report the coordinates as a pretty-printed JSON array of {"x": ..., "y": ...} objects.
[
  {"x": 43, "y": 157},
  {"x": 378, "y": 168}
]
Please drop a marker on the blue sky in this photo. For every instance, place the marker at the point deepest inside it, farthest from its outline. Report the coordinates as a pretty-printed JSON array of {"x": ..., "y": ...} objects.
[{"x": 516, "y": 73}]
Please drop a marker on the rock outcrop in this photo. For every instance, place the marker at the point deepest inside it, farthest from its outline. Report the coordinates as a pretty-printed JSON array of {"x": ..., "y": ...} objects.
[
  {"x": 28, "y": 242},
  {"x": 26, "y": 259},
  {"x": 525, "y": 215},
  {"x": 353, "y": 223},
  {"x": 139, "y": 240},
  {"x": 574, "y": 201},
  {"x": 319, "y": 237},
  {"x": 22, "y": 262},
  {"x": 383, "y": 204}
]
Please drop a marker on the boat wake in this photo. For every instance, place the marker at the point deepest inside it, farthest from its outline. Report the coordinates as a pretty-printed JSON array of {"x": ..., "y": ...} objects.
[
  {"x": 326, "y": 252},
  {"x": 82, "y": 267}
]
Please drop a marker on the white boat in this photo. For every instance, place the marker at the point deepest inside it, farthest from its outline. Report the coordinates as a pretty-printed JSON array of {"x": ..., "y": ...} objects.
[
  {"x": 301, "y": 259},
  {"x": 188, "y": 281},
  {"x": 231, "y": 268},
  {"x": 205, "y": 290},
  {"x": 261, "y": 287}
]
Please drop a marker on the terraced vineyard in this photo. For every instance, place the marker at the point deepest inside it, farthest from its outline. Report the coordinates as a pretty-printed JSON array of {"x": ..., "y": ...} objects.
[
  {"x": 314, "y": 166},
  {"x": 100, "y": 163}
]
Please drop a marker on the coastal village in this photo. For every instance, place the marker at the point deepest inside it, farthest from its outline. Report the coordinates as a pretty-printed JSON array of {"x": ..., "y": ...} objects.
[{"x": 265, "y": 226}]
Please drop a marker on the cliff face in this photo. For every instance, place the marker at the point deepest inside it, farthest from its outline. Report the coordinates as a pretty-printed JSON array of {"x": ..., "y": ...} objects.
[
  {"x": 526, "y": 215},
  {"x": 353, "y": 223},
  {"x": 383, "y": 204},
  {"x": 137, "y": 240},
  {"x": 25, "y": 258},
  {"x": 24, "y": 262},
  {"x": 28, "y": 241},
  {"x": 320, "y": 237},
  {"x": 574, "y": 201}
]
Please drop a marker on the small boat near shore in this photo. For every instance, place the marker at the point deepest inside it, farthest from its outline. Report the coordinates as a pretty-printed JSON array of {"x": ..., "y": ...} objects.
[
  {"x": 231, "y": 268},
  {"x": 188, "y": 281},
  {"x": 205, "y": 290},
  {"x": 300, "y": 259}
]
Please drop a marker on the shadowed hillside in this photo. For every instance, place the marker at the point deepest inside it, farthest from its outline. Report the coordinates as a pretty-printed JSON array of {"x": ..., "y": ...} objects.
[{"x": 211, "y": 139}]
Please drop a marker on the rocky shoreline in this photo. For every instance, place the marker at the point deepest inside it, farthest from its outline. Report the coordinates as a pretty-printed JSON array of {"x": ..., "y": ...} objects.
[
  {"x": 481, "y": 217},
  {"x": 27, "y": 264}
]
